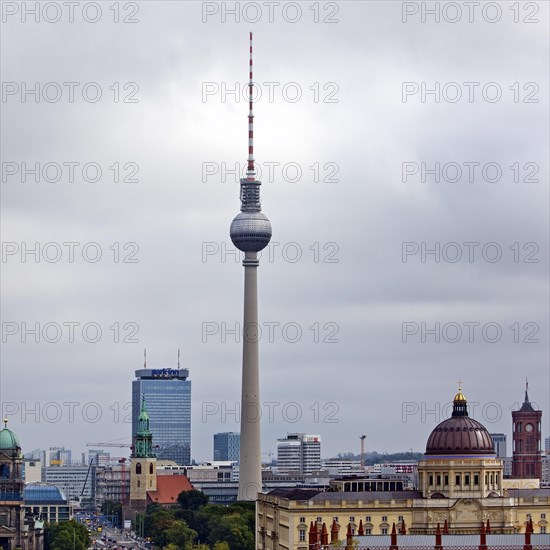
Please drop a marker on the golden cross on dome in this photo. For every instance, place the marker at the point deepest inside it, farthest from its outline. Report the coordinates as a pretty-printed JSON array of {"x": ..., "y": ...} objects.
[
  {"x": 5, "y": 422},
  {"x": 459, "y": 385}
]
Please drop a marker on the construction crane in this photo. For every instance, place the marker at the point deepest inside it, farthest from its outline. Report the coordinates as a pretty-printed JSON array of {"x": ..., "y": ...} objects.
[
  {"x": 362, "y": 438},
  {"x": 86, "y": 480},
  {"x": 110, "y": 444}
]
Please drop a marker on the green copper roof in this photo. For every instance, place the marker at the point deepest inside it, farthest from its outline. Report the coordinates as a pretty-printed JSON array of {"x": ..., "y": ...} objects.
[
  {"x": 143, "y": 412},
  {"x": 8, "y": 440}
]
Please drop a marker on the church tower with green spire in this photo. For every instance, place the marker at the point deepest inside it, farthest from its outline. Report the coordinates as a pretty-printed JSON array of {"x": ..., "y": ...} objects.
[
  {"x": 143, "y": 463},
  {"x": 143, "y": 441}
]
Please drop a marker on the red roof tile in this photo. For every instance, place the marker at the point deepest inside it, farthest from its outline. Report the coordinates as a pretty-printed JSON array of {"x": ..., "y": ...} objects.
[{"x": 168, "y": 489}]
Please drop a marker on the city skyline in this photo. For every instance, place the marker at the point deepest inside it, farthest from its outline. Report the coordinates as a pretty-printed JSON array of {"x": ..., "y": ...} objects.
[{"x": 364, "y": 301}]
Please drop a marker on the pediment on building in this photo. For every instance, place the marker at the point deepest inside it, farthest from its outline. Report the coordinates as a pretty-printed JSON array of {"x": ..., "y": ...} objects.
[{"x": 467, "y": 510}]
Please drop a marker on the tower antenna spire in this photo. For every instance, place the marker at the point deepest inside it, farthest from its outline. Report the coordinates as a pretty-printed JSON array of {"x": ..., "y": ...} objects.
[
  {"x": 250, "y": 170},
  {"x": 178, "y": 358}
]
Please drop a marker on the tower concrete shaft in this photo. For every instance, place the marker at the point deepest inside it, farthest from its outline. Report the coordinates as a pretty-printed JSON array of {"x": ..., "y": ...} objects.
[{"x": 250, "y": 463}]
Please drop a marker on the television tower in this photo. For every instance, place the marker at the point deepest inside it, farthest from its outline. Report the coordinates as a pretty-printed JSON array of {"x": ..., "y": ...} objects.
[{"x": 250, "y": 232}]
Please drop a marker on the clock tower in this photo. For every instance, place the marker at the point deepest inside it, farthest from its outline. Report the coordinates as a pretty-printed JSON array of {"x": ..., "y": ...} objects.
[{"x": 526, "y": 434}]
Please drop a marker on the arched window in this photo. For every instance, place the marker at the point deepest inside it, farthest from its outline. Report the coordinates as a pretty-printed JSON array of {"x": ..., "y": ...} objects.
[
  {"x": 138, "y": 468},
  {"x": 4, "y": 471},
  {"x": 151, "y": 468}
]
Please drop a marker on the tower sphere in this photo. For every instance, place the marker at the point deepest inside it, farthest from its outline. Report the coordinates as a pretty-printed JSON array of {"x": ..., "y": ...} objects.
[{"x": 250, "y": 231}]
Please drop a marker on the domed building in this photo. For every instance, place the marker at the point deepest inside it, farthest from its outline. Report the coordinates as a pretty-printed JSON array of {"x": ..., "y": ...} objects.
[
  {"x": 460, "y": 487},
  {"x": 15, "y": 532},
  {"x": 460, "y": 459}
]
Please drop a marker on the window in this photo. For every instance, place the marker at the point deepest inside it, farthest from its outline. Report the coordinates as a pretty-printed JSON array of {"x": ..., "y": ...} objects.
[
  {"x": 302, "y": 520},
  {"x": 352, "y": 519},
  {"x": 446, "y": 480},
  {"x": 457, "y": 479},
  {"x": 138, "y": 484},
  {"x": 151, "y": 468},
  {"x": 476, "y": 479},
  {"x": 368, "y": 531},
  {"x": 384, "y": 518},
  {"x": 367, "y": 519},
  {"x": 438, "y": 480},
  {"x": 431, "y": 480},
  {"x": 466, "y": 479},
  {"x": 543, "y": 516},
  {"x": 302, "y": 535},
  {"x": 400, "y": 518},
  {"x": 384, "y": 530},
  {"x": 319, "y": 519},
  {"x": 138, "y": 468},
  {"x": 543, "y": 528}
]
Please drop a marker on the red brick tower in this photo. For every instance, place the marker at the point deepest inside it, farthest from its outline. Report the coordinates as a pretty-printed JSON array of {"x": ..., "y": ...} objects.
[{"x": 526, "y": 434}]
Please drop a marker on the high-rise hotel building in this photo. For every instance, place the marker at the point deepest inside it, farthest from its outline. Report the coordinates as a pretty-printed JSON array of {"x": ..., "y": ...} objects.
[{"x": 167, "y": 393}]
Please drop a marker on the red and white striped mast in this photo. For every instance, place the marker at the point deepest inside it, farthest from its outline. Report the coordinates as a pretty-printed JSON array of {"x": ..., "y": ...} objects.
[{"x": 250, "y": 171}]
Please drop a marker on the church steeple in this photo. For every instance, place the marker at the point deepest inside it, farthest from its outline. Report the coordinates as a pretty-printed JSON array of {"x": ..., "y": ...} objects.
[{"x": 143, "y": 440}]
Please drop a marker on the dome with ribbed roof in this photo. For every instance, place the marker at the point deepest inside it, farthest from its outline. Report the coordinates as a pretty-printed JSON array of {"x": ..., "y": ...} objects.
[
  {"x": 460, "y": 434},
  {"x": 8, "y": 440}
]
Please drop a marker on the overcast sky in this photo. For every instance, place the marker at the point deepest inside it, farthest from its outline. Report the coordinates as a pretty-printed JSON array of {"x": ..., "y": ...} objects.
[{"x": 346, "y": 111}]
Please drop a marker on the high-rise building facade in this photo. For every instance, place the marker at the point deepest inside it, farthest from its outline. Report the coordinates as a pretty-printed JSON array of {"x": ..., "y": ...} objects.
[
  {"x": 167, "y": 393},
  {"x": 227, "y": 446},
  {"x": 499, "y": 441},
  {"x": 526, "y": 433},
  {"x": 299, "y": 453}
]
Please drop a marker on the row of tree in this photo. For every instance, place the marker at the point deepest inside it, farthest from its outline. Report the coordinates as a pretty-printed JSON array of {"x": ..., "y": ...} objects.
[
  {"x": 67, "y": 535},
  {"x": 197, "y": 525}
]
